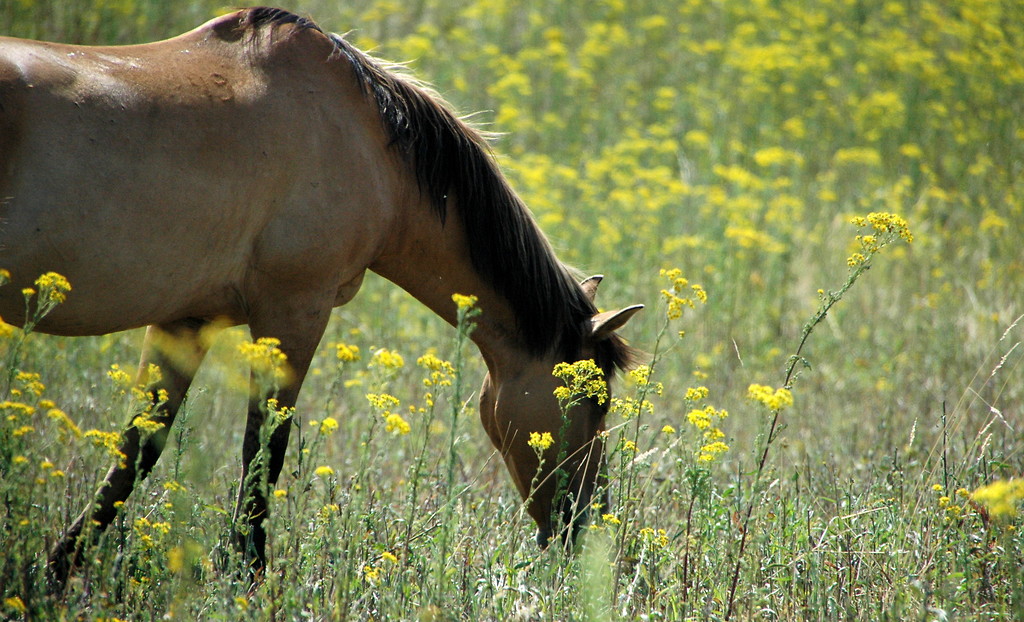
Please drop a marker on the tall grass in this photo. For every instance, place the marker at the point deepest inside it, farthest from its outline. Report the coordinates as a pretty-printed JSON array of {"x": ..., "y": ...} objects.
[{"x": 733, "y": 140}]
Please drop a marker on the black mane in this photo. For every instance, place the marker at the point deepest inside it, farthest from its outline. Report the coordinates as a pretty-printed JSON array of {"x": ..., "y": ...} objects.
[{"x": 451, "y": 159}]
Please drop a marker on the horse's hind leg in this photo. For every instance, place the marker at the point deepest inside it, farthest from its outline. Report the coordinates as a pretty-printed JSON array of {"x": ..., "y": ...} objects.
[{"x": 177, "y": 349}]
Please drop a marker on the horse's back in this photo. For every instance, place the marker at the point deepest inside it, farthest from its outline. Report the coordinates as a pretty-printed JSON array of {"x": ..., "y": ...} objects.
[{"x": 150, "y": 175}]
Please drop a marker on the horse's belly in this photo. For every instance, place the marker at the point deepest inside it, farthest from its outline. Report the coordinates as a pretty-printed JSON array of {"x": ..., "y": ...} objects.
[{"x": 128, "y": 263}]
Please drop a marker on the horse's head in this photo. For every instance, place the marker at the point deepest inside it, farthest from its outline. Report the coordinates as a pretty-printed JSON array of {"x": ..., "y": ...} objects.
[{"x": 559, "y": 476}]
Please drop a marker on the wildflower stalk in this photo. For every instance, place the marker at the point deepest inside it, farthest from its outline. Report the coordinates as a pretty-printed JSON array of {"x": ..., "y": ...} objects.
[
  {"x": 51, "y": 290},
  {"x": 464, "y": 328},
  {"x": 628, "y": 504},
  {"x": 890, "y": 228},
  {"x": 679, "y": 295}
]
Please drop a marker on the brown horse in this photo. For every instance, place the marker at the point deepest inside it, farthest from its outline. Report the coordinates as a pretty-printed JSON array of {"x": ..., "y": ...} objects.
[{"x": 252, "y": 170}]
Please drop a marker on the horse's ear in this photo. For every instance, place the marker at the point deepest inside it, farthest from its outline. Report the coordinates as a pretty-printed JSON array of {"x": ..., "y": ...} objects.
[
  {"x": 590, "y": 284},
  {"x": 603, "y": 325}
]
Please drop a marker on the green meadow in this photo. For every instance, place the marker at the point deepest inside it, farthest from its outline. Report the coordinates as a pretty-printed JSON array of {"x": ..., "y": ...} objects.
[{"x": 836, "y": 432}]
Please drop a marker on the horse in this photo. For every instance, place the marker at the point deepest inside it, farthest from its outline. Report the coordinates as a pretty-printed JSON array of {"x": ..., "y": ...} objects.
[{"x": 250, "y": 172}]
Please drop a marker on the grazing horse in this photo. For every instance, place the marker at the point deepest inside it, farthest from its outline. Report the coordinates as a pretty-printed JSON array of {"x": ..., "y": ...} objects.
[{"x": 251, "y": 171}]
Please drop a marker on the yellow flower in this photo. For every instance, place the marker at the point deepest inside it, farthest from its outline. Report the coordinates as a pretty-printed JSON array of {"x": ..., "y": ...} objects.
[
  {"x": 347, "y": 353},
  {"x": 20, "y": 409},
  {"x": 371, "y": 574},
  {"x": 673, "y": 296},
  {"x": 711, "y": 451},
  {"x": 265, "y": 357},
  {"x": 668, "y": 430},
  {"x": 23, "y": 430},
  {"x": 583, "y": 379},
  {"x": 119, "y": 376},
  {"x": 441, "y": 371},
  {"x": 1003, "y": 498},
  {"x": 387, "y": 556},
  {"x": 281, "y": 413},
  {"x": 176, "y": 559},
  {"x": 15, "y": 603},
  {"x": 328, "y": 425},
  {"x": 323, "y": 471},
  {"x": 383, "y": 401},
  {"x": 610, "y": 519},
  {"x": 53, "y": 286},
  {"x": 6, "y": 330},
  {"x": 388, "y": 359},
  {"x": 541, "y": 441},
  {"x": 659, "y": 537},
  {"x": 699, "y": 419},
  {"x": 396, "y": 424},
  {"x": 281, "y": 493},
  {"x": 774, "y": 399},
  {"x": 696, "y": 394},
  {"x": 144, "y": 423},
  {"x": 463, "y": 301},
  {"x": 885, "y": 222},
  {"x": 30, "y": 382}
]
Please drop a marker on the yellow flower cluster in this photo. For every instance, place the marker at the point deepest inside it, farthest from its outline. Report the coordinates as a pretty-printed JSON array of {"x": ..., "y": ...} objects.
[
  {"x": 540, "y": 440},
  {"x": 387, "y": 359},
  {"x": 328, "y": 426},
  {"x": 29, "y": 383},
  {"x": 640, "y": 377},
  {"x": 145, "y": 423},
  {"x": 53, "y": 287},
  {"x": 347, "y": 353},
  {"x": 582, "y": 379},
  {"x": 677, "y": 295},
  {"x": 119, "y": 377},
  {"x": 110, "y": 441},
  {"x": 149, "y": 532},
  {"x": 695, "y": 394},
  {"x": 386, "y": 404},
  {"x": 281, "y": 414},
  {"x": 884, "y": 222},
  {"x": 463, "y": 301},
  {"x": 441, "y": 371},
  {"x": 266, "y": 358},
  {"x": 705, "y": 420},
  {"x": 15, "y": 604},
  {"x": 396, "y": 424},
  {"x": 655, "y": 537},
  {"x": 1003, "y": 498},
  {"x": 67, "y": 425},
  {"x": 774, "y": 399}
]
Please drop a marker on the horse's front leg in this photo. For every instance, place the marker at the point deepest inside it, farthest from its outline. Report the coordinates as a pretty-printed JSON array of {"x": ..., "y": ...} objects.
[
  {"x": 177, "y": 350},
  {"x": 267, "y": 430},
  {"x": 298, "y": 330}
]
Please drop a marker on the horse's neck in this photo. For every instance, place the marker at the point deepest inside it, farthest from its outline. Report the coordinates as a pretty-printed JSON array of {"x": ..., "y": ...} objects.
[{"x": 432, "y": 262}]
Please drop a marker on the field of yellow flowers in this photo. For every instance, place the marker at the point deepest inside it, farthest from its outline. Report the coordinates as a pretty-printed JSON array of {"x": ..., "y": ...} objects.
[{"x": 754, "y": 147}]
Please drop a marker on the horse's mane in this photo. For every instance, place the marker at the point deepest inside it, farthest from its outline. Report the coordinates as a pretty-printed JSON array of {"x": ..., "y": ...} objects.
[{"x": 450, "y": 158}]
